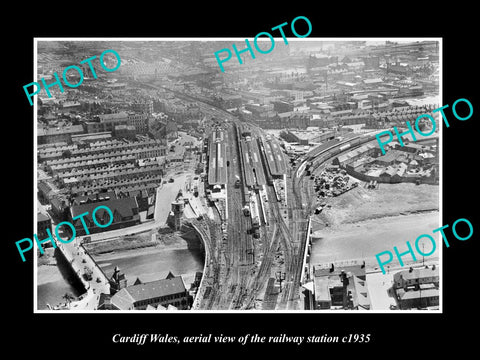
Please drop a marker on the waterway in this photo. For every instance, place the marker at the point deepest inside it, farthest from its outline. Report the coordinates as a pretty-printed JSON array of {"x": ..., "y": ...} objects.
[
  {"x": 147, "y": 265},
  {"x": 154, "y": 265},
  {"x": 56, "y": 280},
  {"x": 365, "y": 239}
]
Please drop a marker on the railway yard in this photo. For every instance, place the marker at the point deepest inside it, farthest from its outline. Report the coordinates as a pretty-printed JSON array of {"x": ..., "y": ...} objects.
[
  {"x": 272, "y": 179},
  {"x": 263, "y": 201}
]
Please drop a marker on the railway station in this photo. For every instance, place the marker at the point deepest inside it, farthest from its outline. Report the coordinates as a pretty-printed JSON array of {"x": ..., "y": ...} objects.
[
  {"x": 256, "y": 163},
  {"x": 285, "y": 156},
  {"x": 274, "y": 156},
  {"x": 248, "y": 168},
  {"x": 217, "y": 161},
  {"x": 217, "y": 173}
]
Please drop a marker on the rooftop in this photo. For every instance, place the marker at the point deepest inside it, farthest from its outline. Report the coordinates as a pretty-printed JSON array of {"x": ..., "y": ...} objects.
[
  {"x": 122, "y": 206},
  {"x": 355, "y": 267},
  {"x": 417, "y": 273},
  {"x": 42, "y": 217},
  {"x": 125, "y": 298},
  {"x": 156, "y": 288},
  {"x": 70, "y": 129},
  {"x": 110, "y": 117},
  {"x": 416, "y": 294}
]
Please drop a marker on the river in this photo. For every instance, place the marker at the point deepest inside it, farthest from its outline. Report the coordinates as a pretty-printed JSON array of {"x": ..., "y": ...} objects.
[
  {"x": 147, "y": 265},
  {"x": 56, "y": 280},
  {"x": 155, "y": 264},
  {"x": 365, "y": 239}
]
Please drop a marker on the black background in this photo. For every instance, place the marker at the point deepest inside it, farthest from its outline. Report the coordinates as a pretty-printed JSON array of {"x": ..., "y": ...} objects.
[{"x": 91, "y": 334}]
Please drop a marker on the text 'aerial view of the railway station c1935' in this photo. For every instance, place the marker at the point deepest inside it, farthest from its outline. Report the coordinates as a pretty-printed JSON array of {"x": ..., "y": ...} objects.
[{"x": 258, "y": 188}]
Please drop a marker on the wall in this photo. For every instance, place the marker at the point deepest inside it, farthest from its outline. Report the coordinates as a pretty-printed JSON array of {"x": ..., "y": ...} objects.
[{"x": 389, "y": 180}]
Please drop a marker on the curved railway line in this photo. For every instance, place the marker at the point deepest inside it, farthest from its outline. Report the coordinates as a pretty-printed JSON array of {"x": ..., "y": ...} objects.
[{"x": 240, "y": 268}]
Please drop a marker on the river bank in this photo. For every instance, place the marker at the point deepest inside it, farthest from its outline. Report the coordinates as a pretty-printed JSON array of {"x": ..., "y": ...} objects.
[
  {"x": 365, "y": 239},
  {"x": 389, "y": 200},
  {"x": 150, "y": 255},
  {"x": 55, "y": 279},
  {"x": 362, "y": 223},
  {"x": 125, "y": 253},
  {"x": 150, "y": 264},
  {"x": 153, "y": 240},
  {"x": 47, "y": 268}
]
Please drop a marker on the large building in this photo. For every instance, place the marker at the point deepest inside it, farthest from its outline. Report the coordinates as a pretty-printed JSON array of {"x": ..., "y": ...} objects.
[
  {"x": 310, "y": 135},
  {"x": 49, "y": 135},
  {"x": 163, "y": 293},
  {"x": 281, "y": 106},
  {"x": 369, "y": 149},
  {"x": 125, "y": 213},
  {"x": 139, "y": 122},
  {"x": 292, "y": 119},
  {"x": 217, "y": 160},
  {"x": 124, "y": 132},
  {"x": 108, "y": 122},
  {"x": 46, "y": 192}
]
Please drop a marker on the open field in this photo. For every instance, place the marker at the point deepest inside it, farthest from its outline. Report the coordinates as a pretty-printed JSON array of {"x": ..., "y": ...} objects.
[
  {"x": 363, "y": 240},
  {"x": 361, "y": 204},
  {"x": 362, "y": 223}
]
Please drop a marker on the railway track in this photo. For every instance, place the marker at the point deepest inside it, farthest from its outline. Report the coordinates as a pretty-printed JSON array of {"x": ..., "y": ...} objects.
[
  {"x": 211, "y": 276},
  {"x": 264, "y": 270},
  {"x": 287, "y": 243},
  {"x": 237, "y": 257},
  {"x": 235, "y": 281}
]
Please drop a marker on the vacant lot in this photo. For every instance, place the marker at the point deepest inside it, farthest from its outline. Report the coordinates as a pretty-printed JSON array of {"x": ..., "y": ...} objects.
[
  {"x": 363, "y": 240},
  {"x": 362, "y": 223},
  {"x": 361, "y": 204}
]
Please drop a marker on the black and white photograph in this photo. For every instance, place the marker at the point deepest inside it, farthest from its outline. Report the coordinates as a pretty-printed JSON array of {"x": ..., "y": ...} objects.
[
  {"x": 213, "y": 180},
  {"x": 269, "y": 186}
]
